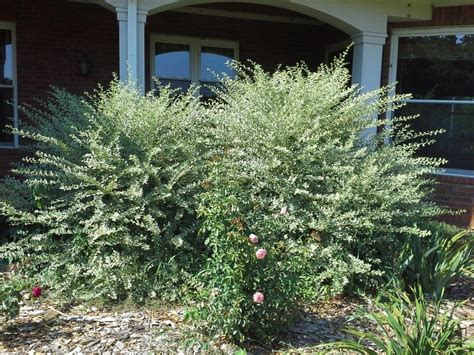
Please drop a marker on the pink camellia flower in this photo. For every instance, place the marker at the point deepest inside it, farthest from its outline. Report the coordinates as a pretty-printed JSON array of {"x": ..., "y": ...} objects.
[
  {"x": 253, "y": 238},
  {"x": 261, "y": 254},
  {"x": 258, "y": 297},
  {"x": 284, "y": 211},
  {"x": 36, "y": 291}
]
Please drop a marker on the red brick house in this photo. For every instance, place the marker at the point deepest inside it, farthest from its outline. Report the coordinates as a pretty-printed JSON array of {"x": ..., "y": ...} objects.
[{"x": 427, "y": 46}]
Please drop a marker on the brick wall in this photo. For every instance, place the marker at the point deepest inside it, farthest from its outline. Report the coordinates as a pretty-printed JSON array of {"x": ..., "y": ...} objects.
[
  {"x": 458, "y": 193},
  {"x": 452, "y": 191},
  {"x": 51, "y": 35}
]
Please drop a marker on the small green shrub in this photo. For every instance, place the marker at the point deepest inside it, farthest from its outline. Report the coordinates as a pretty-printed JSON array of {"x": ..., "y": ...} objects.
[
  {"x": 433, "y": 261},
  {"x": 10, "y": 298},
  {"x": 10, "y": 295},
  {"x": 234, "y": 276},
  {"x": 409, "y": 327}
]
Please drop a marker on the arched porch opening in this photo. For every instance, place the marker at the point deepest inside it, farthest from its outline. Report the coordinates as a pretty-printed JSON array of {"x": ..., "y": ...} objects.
[
  {"x": 184, "y": 43},
  {"x": 364, "y": 21},
  {"x": 324, "y": 11}
]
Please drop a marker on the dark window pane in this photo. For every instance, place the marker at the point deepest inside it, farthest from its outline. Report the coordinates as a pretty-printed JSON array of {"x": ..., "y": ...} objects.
[
  {"x": 6, "y": 58},
  {"x": 182, "y": 85},
  {"x": 436, "y": 67},
  {"x": 206, "y": 89},
  {"x": 172, "y": 61},
  {"x": 457, "y": 144},
  {"x": 6, "y": 114},
  {"x": 214, "y": 60}
]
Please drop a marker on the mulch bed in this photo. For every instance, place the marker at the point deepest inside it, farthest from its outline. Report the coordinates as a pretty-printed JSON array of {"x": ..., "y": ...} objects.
[{"x": 42, "y": 328}]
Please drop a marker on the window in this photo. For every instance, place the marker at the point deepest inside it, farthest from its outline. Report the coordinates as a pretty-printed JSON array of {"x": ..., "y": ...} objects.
[
  {"x": 437, "y": 67},
  {"x": 182, "y": 61},
  {"x": 8, "y": 92}
]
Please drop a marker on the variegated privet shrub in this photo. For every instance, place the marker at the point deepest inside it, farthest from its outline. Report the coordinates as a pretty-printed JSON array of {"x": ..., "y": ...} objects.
[
  {"x": 329, "y": 202},
  {"x": 272, "y": 193},
  {"x": 104, "y": 206}
]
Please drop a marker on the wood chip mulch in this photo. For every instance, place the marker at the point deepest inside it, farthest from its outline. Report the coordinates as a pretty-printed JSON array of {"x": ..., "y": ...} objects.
[{"x": 42, "y": 328}]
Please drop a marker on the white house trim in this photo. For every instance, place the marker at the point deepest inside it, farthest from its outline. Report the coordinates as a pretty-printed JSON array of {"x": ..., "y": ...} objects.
[
  {"x": 365, "y": 22},
  {"x": 414, "y": 3},
  {"x": 350, "y": 16},
  {"x": 368, "y": 57},
  {"x": 456, "y": 172},
  {"x": 12, "y": 27}
]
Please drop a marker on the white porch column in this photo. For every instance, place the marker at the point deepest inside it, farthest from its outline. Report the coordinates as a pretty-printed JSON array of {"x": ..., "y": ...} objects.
[
  {"x": 367, "y": 63},
  {"x": 142, "y": 14},
  {"x": 368, "y": 54},
  {"x": 123, "y": 50},
  {"x": 131, "y": 19},
  {"x": 132, "y": 26}
]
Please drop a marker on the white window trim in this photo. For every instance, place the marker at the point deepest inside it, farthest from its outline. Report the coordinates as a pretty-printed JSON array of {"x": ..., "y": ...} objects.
[
  {"x": 11, "y": 26},
  {"x": 456, "y": 173},
  {"x": 195, "y": 44},
  {"x": 392, "y": 78}
]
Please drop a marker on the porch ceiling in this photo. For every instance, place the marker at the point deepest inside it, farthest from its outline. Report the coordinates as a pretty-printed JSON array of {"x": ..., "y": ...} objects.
[
  {"x": 350, "y": 16},
  {"x": 436, "y": 3}
]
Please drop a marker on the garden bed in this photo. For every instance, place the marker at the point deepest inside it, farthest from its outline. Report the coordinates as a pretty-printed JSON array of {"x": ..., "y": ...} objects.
[
  {"x": 245, "y": 209},
  {"x": 42, "y": 328}
]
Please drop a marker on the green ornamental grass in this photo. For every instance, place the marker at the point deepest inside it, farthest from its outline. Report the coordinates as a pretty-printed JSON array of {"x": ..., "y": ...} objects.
[
  {"x": 409, "y": 324},
  {"x": 433, "y": 261}
]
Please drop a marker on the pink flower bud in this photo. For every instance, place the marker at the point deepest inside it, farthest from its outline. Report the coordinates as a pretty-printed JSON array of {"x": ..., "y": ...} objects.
[
  {"x": 261, "y": 254},
  {"x": 258, "y": 297},
  {"x": 284, "y": 211},
  {"x": 253, "y": 239},
  {"x": 36, "y": 291}
]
